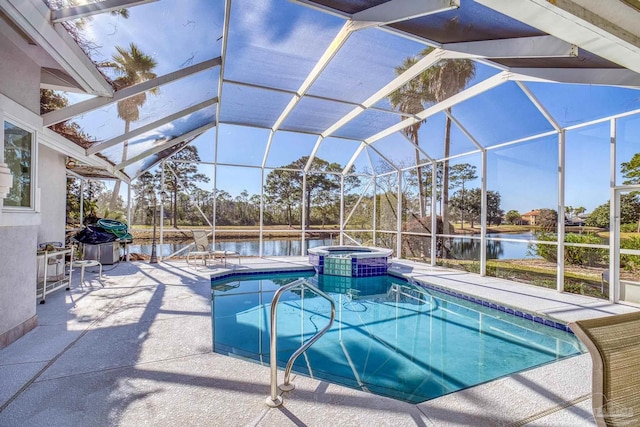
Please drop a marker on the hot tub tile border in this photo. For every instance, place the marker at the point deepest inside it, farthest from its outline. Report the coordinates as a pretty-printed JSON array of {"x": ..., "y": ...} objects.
[{"x": 491, "y": 304}]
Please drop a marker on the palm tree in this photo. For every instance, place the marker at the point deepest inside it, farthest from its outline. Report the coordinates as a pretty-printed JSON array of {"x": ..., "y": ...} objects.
[
  {"x": 433, "y": 85},
  {"x": 134, "y": 67},
  {"x": 410, "y": 99},
  {"x": 444, "y": 80}
]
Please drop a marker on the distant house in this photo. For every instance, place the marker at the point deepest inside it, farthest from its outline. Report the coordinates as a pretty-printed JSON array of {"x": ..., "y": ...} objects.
[
  {"x": 531, "y": 217},
  {"x": 575, "y": 221}
]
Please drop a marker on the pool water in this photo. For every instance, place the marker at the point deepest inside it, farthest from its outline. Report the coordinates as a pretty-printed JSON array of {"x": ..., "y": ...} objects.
[{"x": 389, "y": 337}]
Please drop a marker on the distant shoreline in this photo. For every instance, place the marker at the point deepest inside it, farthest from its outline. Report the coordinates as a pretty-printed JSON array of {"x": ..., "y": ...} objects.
[
  {"x": 185, "y": 234},
  {"x": 285, "y": 232}
]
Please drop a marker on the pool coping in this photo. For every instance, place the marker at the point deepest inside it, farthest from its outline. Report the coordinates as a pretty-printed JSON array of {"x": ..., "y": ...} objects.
[{"x": 505, "y": 308}]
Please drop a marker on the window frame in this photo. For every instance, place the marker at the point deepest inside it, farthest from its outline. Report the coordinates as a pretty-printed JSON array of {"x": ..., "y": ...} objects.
[{"x": 8, "y": 119}]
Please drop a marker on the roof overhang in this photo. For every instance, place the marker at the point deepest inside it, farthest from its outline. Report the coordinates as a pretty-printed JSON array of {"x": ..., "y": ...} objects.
[
  {"x": 33, "y": 18},
  {"x": 609, "y": 32}
]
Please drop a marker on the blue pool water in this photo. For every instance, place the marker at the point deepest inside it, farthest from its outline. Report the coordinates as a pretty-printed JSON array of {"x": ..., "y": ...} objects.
[{"x": 389, "y": 337}]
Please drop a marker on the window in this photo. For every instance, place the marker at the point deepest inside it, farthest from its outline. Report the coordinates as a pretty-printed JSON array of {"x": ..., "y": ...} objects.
[{"x": 18, "y": 155}]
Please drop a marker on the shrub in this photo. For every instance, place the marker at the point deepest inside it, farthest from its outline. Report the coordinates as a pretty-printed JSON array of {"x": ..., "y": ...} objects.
[
  {"x": 629, "y": 228},
  {"x": 630, "y": 262},
  {"x": 573, "y": 255},
  {"x": 584, "y": 256},
  {"x": 547, "y": 252}
]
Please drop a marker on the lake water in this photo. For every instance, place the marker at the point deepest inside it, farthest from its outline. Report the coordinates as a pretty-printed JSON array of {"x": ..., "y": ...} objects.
[
  {"x": 460, "y": 248},
  {"x": 465, "y": 248},
  {"x": 283, "y": 247}
]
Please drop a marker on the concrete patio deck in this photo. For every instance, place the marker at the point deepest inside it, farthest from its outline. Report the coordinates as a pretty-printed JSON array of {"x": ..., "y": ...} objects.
[{"x": 137, "y": 352}]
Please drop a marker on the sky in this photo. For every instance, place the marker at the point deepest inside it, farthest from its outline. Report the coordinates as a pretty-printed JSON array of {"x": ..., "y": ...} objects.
[{"x": 276, "y": 43}]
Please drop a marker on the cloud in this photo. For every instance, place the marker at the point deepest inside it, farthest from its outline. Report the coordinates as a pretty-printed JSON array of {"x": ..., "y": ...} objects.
[{"x": 282, "y": 26}]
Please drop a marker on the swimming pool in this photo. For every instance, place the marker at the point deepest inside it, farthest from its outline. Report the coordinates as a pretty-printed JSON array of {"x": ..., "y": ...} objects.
[{"x": 389, "y": 337}]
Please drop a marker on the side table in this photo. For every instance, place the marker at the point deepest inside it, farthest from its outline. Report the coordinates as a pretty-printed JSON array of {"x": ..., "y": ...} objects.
[{"x": 84, "y": 264}]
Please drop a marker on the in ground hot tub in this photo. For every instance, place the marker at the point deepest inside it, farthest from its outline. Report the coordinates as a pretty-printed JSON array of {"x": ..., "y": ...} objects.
[{"x": 350, "y": 261}]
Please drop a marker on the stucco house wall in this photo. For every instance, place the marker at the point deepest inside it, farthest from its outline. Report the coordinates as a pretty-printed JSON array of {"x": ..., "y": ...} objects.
[
  {"x": 53, "y": 189},
  {"x": 20, "y": 232}
]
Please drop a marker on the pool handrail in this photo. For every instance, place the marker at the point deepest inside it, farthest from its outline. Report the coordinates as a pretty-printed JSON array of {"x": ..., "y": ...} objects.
[{"x": 274, "y": 400}]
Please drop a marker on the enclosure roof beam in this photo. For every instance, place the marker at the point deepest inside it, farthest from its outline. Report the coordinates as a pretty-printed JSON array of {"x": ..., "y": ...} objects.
[
  {"x": 56, "y": 79},
  {"x": 402, "y": 10},
  {"x": 593, "y": 76},
  {"x": 468, "y": 93},
  {"x": 534, "y": 100},
  {"x": 223, "y": 56},
  {"x": 353, "y": 158},
  {"x": 67, "y": 113},
  {"x": 609, "y": 32},
  {"x": 166, "y": 145},
  {"x": 159, "y": 160},
  {"x": 464, "y": 130},
  {"x": 412, "y": 72},
  {"x": 62, "y": 145},
  {"x": 523, "y": 47},
  {"x": 357, "y": 153},
  {"x": 90, "y": 9},
  {"x": 313, "y": 75},
  {"x": 383, "y": 157},
  {"x": 149, "y": 127},
  {"x": 417, "y": 147},
  {"x": 312, "y": 156}
]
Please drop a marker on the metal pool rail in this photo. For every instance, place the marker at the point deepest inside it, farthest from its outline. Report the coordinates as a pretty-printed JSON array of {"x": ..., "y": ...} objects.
[{"x": 274, "y": 400}]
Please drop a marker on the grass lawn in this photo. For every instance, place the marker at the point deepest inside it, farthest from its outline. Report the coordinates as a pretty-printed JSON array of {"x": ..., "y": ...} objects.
[{"x": 577, "y": 279}]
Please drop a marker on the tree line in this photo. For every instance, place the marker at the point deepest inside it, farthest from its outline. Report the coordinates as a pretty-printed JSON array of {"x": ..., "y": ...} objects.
[{"x": 187, "y": 204}]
